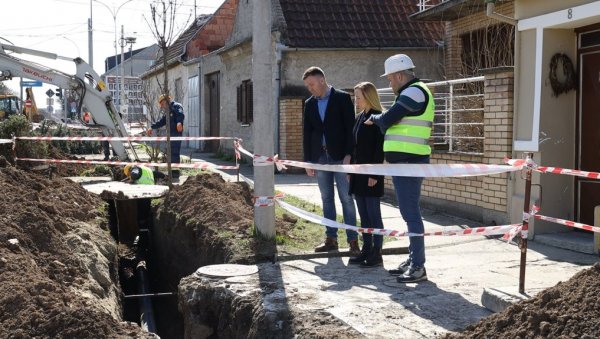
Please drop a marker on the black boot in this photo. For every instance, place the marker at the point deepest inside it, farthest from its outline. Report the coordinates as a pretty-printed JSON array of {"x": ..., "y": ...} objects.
[
  {"x": 374, "y": 259},
  {"x": 364, "y": 253}
]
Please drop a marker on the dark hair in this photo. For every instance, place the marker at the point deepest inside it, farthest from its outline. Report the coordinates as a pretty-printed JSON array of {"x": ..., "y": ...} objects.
[{"x": 311, "y": 71}]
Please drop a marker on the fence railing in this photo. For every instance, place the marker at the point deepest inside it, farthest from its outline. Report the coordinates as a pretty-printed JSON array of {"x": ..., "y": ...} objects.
[
  {"x": 458, "y": 121},
  {"x": 425, "y": 4}
]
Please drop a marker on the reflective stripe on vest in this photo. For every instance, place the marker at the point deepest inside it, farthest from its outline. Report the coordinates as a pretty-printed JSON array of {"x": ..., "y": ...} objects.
[
  {"x": 147, "y": 177},
  {"x": 412, "y": 133}
]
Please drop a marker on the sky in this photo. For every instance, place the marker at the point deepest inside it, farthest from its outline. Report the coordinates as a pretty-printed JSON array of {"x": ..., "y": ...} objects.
[{"x": 61, "y": 27}]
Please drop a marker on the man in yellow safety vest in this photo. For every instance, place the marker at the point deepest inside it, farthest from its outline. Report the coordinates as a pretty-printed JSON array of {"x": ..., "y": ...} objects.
[
  {"x": 139, "y": 175},
  {"x": 407, "y": 128}
]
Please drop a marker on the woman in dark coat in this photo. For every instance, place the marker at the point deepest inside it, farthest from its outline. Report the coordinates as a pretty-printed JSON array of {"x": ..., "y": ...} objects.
[{"x": 368, "y": 189}]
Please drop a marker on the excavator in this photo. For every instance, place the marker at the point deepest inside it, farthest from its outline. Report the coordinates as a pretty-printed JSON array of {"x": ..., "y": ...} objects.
[
  {"x": 86, "y": 83},
  {"x": 9, "y": 105}
]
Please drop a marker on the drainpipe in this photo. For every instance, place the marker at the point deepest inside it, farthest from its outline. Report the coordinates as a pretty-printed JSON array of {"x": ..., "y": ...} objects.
[
  {"x": 491, "y": 5},
  {"x": 278, "y": 56},
  {"x": 199, "y": 144}
]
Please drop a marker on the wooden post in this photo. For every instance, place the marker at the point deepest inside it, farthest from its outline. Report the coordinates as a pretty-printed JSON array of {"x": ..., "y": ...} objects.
[{"x": 523, "y": 242}]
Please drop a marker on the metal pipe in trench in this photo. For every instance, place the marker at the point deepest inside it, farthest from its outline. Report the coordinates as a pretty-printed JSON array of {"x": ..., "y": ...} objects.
[{"x": 146, "y": 311}]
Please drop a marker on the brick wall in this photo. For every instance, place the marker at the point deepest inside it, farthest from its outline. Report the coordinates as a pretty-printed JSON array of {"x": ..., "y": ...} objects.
[
  {"x": 498, "y": 126},
  {"x": 214, "y": 33},
  {"x": 290, "y": 128}
]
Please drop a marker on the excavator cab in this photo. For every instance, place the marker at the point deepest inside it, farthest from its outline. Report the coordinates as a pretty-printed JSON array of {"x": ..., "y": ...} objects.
[{"x": 9, "y": 105}]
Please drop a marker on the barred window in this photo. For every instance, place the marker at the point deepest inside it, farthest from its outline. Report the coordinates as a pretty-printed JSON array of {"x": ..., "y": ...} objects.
[{"x": 244, "y": 102}]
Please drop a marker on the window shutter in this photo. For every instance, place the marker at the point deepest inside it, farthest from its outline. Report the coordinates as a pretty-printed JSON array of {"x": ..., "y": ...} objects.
[{"x": 250, "y": 116}]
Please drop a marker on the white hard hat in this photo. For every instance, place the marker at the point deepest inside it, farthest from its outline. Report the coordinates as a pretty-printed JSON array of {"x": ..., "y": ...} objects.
[{"x": 397, "y": 63}]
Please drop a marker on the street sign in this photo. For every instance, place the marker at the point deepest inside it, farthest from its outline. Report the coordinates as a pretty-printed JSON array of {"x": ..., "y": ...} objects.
[
  {"x": 33, "y": 83},
  {"x": 49, "y": 93},
  {"x": 28, "y": 103}
]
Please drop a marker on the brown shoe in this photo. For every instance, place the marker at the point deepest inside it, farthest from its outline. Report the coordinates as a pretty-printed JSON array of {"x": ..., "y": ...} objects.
[
  {"x": 330, "y": 244},
  {"x": 354, "y": 249}
]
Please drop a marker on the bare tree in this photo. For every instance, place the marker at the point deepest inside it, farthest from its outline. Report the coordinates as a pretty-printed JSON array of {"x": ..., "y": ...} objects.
[{"x": 162, "y": 25}]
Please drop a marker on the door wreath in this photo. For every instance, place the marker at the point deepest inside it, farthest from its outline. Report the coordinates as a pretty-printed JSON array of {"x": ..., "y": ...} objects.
[{"x": 569, "y": 82}]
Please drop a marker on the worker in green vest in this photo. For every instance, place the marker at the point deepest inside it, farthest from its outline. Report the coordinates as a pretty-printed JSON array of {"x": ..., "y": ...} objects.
[
  {"x": 139, "y": 174},
  {"x": 407, "y": 128}
]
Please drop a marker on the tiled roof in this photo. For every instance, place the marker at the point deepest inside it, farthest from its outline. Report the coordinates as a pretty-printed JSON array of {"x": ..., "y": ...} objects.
[{"x": 356, "y": 24}]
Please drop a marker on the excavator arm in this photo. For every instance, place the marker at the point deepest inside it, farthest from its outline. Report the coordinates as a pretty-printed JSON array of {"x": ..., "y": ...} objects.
[{"x": 91, "y": 90}]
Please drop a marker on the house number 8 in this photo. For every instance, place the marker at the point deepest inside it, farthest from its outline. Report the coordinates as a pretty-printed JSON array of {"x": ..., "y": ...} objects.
[{"x": 570, "y": 13}]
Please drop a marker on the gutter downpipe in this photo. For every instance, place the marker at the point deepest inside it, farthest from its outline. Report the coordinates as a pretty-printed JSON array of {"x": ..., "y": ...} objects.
[{"x": 279, "y": 48}]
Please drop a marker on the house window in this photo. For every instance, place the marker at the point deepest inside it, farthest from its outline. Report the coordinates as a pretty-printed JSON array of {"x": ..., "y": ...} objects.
[
  {"x": 489, "y": 47},
  {"x": 244, "y": 102}
]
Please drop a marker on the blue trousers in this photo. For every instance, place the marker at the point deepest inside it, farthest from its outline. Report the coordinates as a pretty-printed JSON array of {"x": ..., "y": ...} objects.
[
  {"x": 325, "y": 180},
  {"x": 408, "y": 193},
  {"x": 369, "y": 209}
]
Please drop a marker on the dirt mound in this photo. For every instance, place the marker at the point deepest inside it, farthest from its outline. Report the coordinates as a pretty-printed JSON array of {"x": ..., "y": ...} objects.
[
  {"x": 568, "y": 310},
  {"x": 58, "y": 263}
]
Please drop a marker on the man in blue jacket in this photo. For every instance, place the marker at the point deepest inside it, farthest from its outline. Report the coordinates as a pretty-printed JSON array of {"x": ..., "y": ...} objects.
[
  {"x": 327, "y": 139},
  {"x": 175, "y": 111}
]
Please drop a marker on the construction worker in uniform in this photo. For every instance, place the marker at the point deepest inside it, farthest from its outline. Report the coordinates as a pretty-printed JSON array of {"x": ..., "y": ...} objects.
[
  {"x": 407, "y": 127},
  {"x": 139, "y": 174},
  {"x": 175, "y": 112}
]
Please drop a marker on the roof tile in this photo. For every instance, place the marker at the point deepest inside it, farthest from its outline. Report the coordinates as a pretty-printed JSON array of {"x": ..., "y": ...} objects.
[{"x": 356, "y": 24}]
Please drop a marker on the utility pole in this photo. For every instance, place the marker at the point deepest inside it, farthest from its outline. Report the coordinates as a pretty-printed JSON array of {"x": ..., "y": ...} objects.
[
  {"x": 122, "y": 70},
  {"x": 262, "y": 129},
  {"x": 90, "y": 39}
]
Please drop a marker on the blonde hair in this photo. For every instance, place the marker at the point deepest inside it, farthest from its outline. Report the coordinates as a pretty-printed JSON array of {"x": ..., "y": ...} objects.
[{"x": 369, "y": 91}]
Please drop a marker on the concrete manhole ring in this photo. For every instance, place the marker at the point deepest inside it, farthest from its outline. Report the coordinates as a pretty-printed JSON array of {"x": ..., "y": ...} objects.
[{"x": 227, "y": 270}]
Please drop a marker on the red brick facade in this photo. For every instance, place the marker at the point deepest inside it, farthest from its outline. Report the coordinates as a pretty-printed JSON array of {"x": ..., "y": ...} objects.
[
  {"x": 215, "y": 32},
  {"x": 290, "y": 128}
]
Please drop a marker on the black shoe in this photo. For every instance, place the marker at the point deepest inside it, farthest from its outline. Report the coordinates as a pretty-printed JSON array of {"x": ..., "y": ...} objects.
[
  {"x": 374, "y": 259},
  {"x": 403, "y": 267},
  {"x": 364, "y": 254},
  {"x": 413, "y": 275}
]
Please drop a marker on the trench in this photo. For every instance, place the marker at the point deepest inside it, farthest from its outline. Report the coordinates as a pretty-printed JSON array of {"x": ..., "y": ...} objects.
[{"x": 148, "y": 294}]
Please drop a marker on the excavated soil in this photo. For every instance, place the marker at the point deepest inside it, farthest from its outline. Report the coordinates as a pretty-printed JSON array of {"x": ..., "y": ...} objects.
[
  {"x": 58, "y": 263},
  {"x": 570, "y": 309}
]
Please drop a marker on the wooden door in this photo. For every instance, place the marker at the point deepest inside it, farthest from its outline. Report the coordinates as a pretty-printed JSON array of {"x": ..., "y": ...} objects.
[{"x": 589, "y": 136}]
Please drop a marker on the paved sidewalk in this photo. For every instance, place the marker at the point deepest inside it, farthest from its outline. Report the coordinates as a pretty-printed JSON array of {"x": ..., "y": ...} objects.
[{"x": 459, "y": 269}]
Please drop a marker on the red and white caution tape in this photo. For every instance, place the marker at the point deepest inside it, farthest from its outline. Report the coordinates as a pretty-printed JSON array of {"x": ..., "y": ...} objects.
[
  {"x": 546, "y": 169},
  {"x": 405, "y": 170},
  {"x": 198, "y": 165},
  {"x": 568, "y": 223},
  {"x": 6, "y": 141},
  {"x": 130, "y": 138},
  {"x": 533, "y": 211},
  {"x": 266, "y": 201},
  {"x": 492, "y": 230},
  {"x": 557, "y": 170},
  {"x": 257, "y": 160}
]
